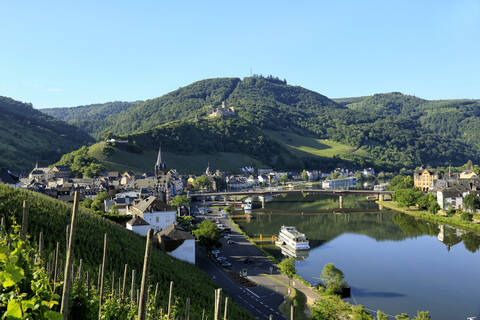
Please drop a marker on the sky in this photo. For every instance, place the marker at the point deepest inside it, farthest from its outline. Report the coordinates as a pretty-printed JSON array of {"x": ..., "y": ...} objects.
[{"x": 69, "y": 53}]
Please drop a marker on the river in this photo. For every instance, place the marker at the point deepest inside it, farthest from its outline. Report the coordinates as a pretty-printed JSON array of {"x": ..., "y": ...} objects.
[{"x": 391, "y": 261}]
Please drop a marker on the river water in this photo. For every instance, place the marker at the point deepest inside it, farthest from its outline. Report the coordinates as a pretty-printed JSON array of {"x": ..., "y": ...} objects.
[{"x": 391, "y": 261}]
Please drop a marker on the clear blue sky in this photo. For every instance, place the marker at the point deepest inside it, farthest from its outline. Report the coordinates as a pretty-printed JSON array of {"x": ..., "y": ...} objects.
[{"x": 66, "y": 53}]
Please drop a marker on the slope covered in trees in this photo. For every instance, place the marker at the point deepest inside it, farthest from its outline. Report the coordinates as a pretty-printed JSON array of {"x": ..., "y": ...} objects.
[
  {"x": 93, "y": 118},
  {"x": 389, "y": 131},
  {"x": 28, "y": 135}
]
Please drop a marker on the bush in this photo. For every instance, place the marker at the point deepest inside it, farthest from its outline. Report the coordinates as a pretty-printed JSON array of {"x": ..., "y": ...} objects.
[
  {"x": 451, "y": 212},
  {"x": 466, "y": 216}
]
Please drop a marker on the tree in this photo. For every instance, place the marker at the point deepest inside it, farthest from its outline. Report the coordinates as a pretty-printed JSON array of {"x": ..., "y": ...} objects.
[
  {"x": 423, "y": 315},
  {"x": 381, "y": 315},
  {"x": 202, "y": 182},
  {"x": 304, "y": 175},
  {"x": 332, "y": 278},
  {"x": 471, "y": 202},
  {"x": 401, "y": 182},
  {"x": 330, "y": 308},
  {"x": 407, "y": 197},
  {"x": 423, "y": 202},
  {"x": 180, "y": 200},
  {"x": 283, "y": 179},
  {"x": 287, "y": 267},
  {"x": 466, "y": 216},
  {"x": 208, "y": 234},
  {"x": 433, "y": 207}
]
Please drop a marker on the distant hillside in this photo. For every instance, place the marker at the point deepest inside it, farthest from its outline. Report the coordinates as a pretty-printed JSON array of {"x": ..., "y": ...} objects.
[
  {"x": 91, "y": 118},
  {"x": 389, "y": 131},
  {"x": 227, "y": 144},
  {"x": 28, "y": 135}
]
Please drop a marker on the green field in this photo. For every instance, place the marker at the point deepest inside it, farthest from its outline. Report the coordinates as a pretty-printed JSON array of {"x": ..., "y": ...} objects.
[
  {"x": 144, "y": 162},
  {"x": 307, "y": 146}
]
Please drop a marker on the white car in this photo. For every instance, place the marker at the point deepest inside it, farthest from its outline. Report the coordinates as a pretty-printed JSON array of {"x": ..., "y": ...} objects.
[{"x": 216, "y": 251}]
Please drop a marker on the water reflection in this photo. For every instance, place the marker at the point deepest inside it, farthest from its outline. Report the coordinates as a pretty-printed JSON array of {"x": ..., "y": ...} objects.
[{"x": 392, "y": 261}]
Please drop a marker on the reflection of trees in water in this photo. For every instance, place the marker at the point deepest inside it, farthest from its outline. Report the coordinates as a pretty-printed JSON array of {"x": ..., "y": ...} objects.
[
  {"x": 312, "y": 202},
  {"x": 471, "y": 241},
  {"x": 322, "y": 228},
  {"x": 450, "y": 236}
]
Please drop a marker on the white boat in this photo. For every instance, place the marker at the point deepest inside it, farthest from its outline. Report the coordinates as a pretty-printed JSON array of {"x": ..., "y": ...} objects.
[
  {"x": 296, "y": 254},
  {"x": 289, "y": 236}
]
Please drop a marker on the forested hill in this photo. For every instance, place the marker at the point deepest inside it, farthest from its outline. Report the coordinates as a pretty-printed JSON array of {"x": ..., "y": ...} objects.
[
  {"x": 91, "y": 118},
  {"x": 390, "y": 131},
  {"x": 28, "y": 135}
]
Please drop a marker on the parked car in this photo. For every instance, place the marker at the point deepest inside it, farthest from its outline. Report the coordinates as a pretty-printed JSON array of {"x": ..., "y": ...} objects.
[
  {"x": 248, "y": 260},
  {"x": 215, "y": 251},
  {"x": 226, "y": 264},
  {"x": 230, "y": 242},
  {"x": 209, "y": 211},
  {"x": 221, "y": 259}
]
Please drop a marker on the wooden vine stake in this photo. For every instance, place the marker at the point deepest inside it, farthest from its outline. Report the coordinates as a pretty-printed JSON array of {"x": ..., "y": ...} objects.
[
  {"x": 187, "y": 309},
  {"x": 24, "y": 230},
  {"x": 170, "y": 300},
  {"x": 226, "y": 309},
  {"x": 142, "y": 306},
  {"x": 291, "y": 311},
  {"x": 68, "y": 262},
  {"x": 124, "y": 280},
  {"x": 3, "y": 227},
  {"x": 100, "y": 298},
  {"x": 132, "y": 289},
  {"x": 56, "y": 264}
]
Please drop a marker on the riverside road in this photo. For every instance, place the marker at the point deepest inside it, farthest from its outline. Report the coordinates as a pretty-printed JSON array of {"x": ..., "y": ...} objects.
[{"x": 262, "y": 300}]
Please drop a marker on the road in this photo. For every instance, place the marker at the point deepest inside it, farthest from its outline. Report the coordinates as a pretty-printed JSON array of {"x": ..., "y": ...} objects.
[{"x": 262, "y": 300}]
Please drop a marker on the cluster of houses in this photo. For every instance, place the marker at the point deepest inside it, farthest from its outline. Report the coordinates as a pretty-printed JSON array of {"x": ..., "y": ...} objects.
[{"x": 450, "y": 188}]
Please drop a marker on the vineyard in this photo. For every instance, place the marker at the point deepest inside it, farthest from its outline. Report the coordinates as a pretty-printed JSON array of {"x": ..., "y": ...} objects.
[{"x": 173, "y": 287}]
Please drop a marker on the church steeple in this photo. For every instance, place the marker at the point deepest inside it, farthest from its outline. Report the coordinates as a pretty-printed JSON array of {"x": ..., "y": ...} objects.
[{"x": 160, "y": 166}]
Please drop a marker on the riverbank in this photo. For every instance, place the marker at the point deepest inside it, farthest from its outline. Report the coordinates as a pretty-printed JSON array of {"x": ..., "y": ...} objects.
[{"x": 454, "y": 221}]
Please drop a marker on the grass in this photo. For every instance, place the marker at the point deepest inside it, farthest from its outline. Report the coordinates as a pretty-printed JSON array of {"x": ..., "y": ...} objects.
[
  {"x": 454, "y": 221},
  {"x": 122, "y": 160},
  {"x": 305, "y": 145}
]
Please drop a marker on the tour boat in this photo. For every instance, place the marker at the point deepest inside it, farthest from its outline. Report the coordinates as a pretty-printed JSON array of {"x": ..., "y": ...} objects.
[{"x": 290, "y": 237}]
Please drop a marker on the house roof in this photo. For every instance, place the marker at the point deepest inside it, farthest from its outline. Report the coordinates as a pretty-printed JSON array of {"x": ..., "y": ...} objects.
[
  {"x": 137, "y": 221},
  {"x": 175, "y": 232},
  {"x": 150, "y": 203}
]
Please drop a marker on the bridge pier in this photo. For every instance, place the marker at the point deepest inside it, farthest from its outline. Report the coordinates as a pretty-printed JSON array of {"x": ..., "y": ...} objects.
[
  {"x": 225, "y": 198},
  {"x": 340, "y": 201},
  {"x": 262, "y": 200},
  {"x": 380, "y": 197}
]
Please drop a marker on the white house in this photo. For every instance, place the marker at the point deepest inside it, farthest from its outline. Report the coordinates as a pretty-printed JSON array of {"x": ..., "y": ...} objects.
[
  {"x": 177, "y": 242},
  {"x": 450, "y": 198},
  {"x": 154, "y": 212},
  {"x": 138, "y": 225}
]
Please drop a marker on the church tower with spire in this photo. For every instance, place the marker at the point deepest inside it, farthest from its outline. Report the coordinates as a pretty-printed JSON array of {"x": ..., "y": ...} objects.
[{"x": 160, "y": 166}]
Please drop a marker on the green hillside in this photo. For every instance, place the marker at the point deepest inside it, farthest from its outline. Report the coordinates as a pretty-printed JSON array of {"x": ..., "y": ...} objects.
[
  {"x": 123, "y": 160},
  {"x": 91, "y": 118},
  {"x": 28, "y": 135},
  {"x": 303, "y": 145},
  {"x": 298, "y": 128},
  {"x": 123, "y": 247}
]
